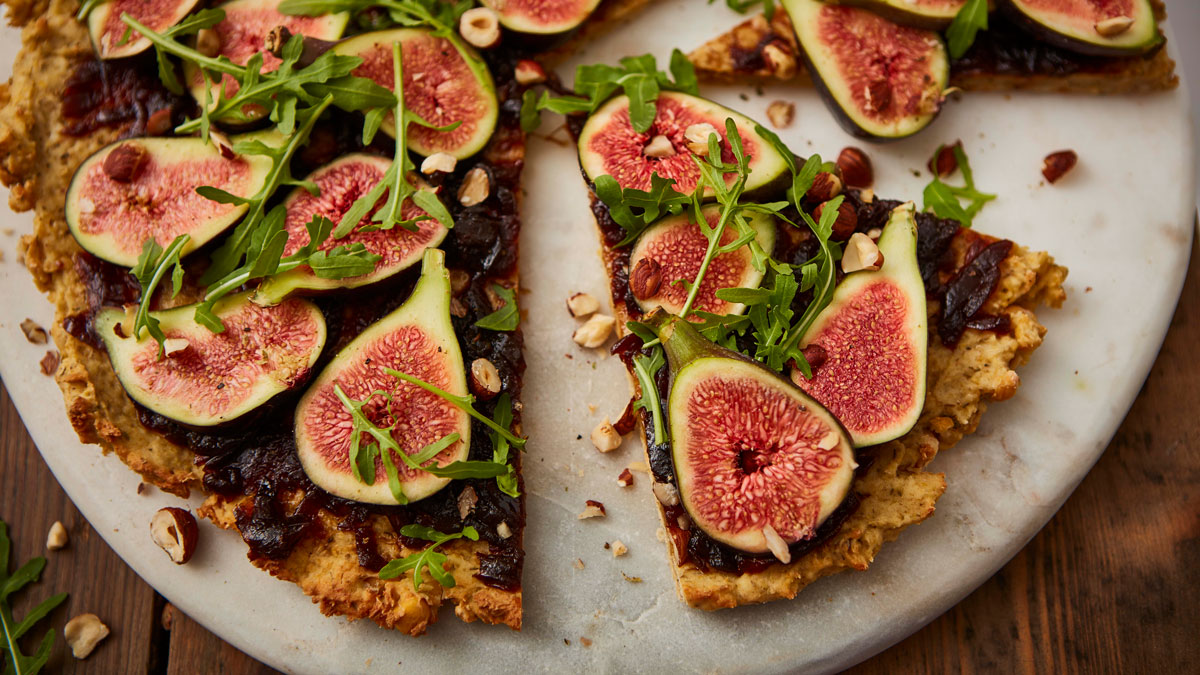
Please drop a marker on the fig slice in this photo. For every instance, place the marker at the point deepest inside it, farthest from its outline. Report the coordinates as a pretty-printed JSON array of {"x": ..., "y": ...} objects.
[
  {"x": 417, "y": 339},
  {"x": 928, "y": 14},
  {"x": 755, "y": 458},
  {"x": 882, "y": 81},
  {"x": 1097, "y": 28},
  {"x": 609, "y": 145},
  {"x": 207, "y": 379},
  {"x": 139, "y": 188},
  {"x": 341, "y": 183},
  {"x": 241, "y": 35},
  {"x": 541, "y": 17},
  {"x": 106, "y": 28},
  {"x": 674, "y": 247},
  {"x": 874, "y": 334},
  {"x": 444, "y": 82}
]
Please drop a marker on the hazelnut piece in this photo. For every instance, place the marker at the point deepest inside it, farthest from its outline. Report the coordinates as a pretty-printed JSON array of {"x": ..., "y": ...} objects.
[
  {"x": 825, "y": 186},
  {"x": 697, "y": 136},
  {"x": 660, "y": 146},
  {"x": 57, "y": 538},
  {"x": 476, "y": 186},
  {"x": 777, "y": 545},
  {"x": 619, "y": 549},
  {"x": 126, "y": 162},
  {"x": 33, "y": 332},
  {"x": 1114, "y": 26},
  {"x": 1057, "y": 164},
  {"x": 645, "y": 278},
  {"x": 83, "y": 633},
  {"x": 595, "y": 332},
  {"x": 779, "y": 58},
  {"x": 481, "y": 27},
  {"x": 438, "y": 161},
  {"x": 944, "y": 162},
  {"x": 844, "y": 223},
  {"x": 666, "y": 493},
  {"x": 781, "y": 114},
  {"x": 528, "y": 71},
  {"x": 159, "y": 122},
  {"x": 582, "y": 304},
  {"x": 592, "y": 509},
  {"x": 174, "y": 530},
  {"x": 878, "y": 96},
  {"x": 855, "y": 167},
  {"x": 605, "y": 437},
  {"x": 861, "y": 254},
  {"x": 504, "y": 530},
  {"x": 466, "y": 501},
  {"x": 208, "y": 42},
  {"x": 485, "y": 379}
]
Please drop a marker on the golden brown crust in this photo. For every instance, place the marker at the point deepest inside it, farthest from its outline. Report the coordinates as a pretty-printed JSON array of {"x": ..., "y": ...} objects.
[{"x": 730, "y": 57}]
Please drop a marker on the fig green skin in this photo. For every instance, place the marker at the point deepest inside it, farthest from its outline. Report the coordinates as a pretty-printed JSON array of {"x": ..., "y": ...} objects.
[
  {"x": 428, "y": 309},
  {"x": 898, "y": 243},
  {"x": 188, "y": 405},
  {"x": 520, "y": 22},
  {"x": 693, "y": 359},
  {"x": 1142, "y": 37},
  {"x": 909, "y": 13},
  {"x": 102, "y": 16},
  {"x": 822, "y": 65},
  {"x": 169, "y": 151}
]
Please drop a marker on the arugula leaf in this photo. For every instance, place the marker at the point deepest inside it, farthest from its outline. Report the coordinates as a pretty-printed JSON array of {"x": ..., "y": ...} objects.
[
  {"x": 944, "y": 200},
  {"x": 429, "y": 559},
  {"x": 503, "y": 417},
  {"x": 660, "y": 200},
  {"x": 743, "y": 6},
  {"x": 13, "y": 659},
  {"x": 463, "y": 402},
  {"x": 151, "y": 267},
  {"x": 507, "y": 317},
  {"x": 972, "y": 18},
  {"x": 645, "y": 368}
]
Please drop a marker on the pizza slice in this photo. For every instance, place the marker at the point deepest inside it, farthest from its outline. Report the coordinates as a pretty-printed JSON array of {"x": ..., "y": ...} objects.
[{"x": 800, "y": 349}]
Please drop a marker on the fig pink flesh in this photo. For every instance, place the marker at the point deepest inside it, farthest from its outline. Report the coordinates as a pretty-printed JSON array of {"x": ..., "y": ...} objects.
[
  {"x": 621, "y": 147},
  {"x": 341, "y": 185},
  {"x": 219, "y": 370},
  {"x": 680, "y": 250},
  {"x": 755, "y": 458},
  {"x": 544, "y": 11},
  {"x": 1097, "y": 10},
  {"x": 438, "y": 85},
  {"x": 866, "y": 380},
  {"x": 870, "y": 50},
  {"x": 161, "y": 203},
  {"x": 420, "y": 417},
  {"x": 157, "y": 15}
]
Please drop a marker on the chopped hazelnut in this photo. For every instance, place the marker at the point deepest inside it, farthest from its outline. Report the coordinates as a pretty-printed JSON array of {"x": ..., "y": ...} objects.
[
  {"x": 49, "y": 362},
  {"x": 83, "y": 633},
  {"x": 625, "y": 479},
  {"x": 592, "y": 509},
  {"x": 777, "y": 545},
  {"x": 476, "y": 186},
  {"x": 528, "y": 71},
  {"x": 619, "y": 549},
  {"x": 481, "y": 27},
  {"x": 504, "y": 530},
  {"x": 605, "y": 437},
  {"x": 1057, "y": 164},
  {"x": 779, "y": 58},
  {"x": 57, "y": 538},
  {"x": 1114, "y": 26},
  {"x": 825, "y": 186},
  {"x": 438, "y": 162},
  {"x": 595, "y": 332},
  {"x": 485, "y": 379},
  {"x": 208, "y": 42},
  {"x": 844, "y": 223},
  {"x": 666, "y": 493},
  {"x": 578, "y": 564},
  {"x": 660, "y": 146},
  {"x": 781, "y": 114},
  {"x": 645, "y": 278},
  {"x": 466, "y": 501},
  {"x": 861, "y": 254},
  {"x": 33, "y": 332},
  {"x": 697, "y": 136},
  {"x": 174, "y": 530},
  {"x": 126, "y": 162},
  {"x": 174, "y": 346},
  {"x": 582, "y": 304}
]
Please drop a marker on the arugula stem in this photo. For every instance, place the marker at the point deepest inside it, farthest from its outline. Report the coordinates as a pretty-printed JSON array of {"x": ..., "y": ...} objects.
[
  {"x": 463, "y": 402},
  {"x": 713, "y": 243},
  {"x": 148, "y": 293},
  {"x": 650, "y": 394},
  {"x": 172, "y": 47}
]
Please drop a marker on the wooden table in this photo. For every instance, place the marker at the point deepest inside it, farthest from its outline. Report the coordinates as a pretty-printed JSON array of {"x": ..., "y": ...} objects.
[{"x": 1110, "y": 585}]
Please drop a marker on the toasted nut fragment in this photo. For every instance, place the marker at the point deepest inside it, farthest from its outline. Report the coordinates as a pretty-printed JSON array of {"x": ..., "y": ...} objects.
[
  {"x": 777, "y": 545},
  {"x": 485, "y": 379},
  {"x": 33, "y": 332},
  {"x": 829, "y": 441},
  {"x": 528, "y": 71},
  {"x": 825, "y": 186},
  {"x": 660, "y": 146},
  {"x": 605, "y": 437},
  {"x": 875, "y": 233},
  {"x": 438, "y": 161},
  {"x": 645, "y": 278},
  {"x": 159, "y": 122},
  {"x": 878, "y": 95},
  {"x": 867, "y": 196},
  {"x": 582, "y": 304},
  {"x": 459, "y": 280},
  {"x": 781, "y": 114},
  {"x": 593, "y": 509},
  {"x": 457, "y": 308},
  {"x": 684, "y": 521},
  {"x": 844, "y": 223},
  {"x": 619, "y": 549},
  {"x": 57, "y": 538},
  {"x": 1057, "y": 164},
  {"x": 779, "y": 58},
  {"x": 944, "y": 163},
  {"x": 861, "y": 254},
  {"x": 504, "y": 530},
  {"x": 208, "y": 42},
  {"x": 126, "y": 162},
  {"x": 466, "y": 501},
  {"x": 481, "y": 27},
  {"x": 625, "y": 479},
  {"x": 593, "y": 333},
  {"x": 476, "y": 185},
  {"x": 49, "y": 362},
  {"x": 578, "y": 564},
  {"x": 83, "y": 633},
  {"x": 627, "y": 421},
  {"x": 666, "y": 493},
  {"x": 697, "y": 136},
  {"x": 855, "y": 167},
  {"x": 1114, "y": 26},
  {"x": 815, "y": 355},
  {"x": 174, "y": 345},
  {"x": 174, "y": 530}
]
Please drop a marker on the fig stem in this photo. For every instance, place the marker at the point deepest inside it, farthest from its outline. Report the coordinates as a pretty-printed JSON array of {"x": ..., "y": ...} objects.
[{"x": 463, "y": 402}]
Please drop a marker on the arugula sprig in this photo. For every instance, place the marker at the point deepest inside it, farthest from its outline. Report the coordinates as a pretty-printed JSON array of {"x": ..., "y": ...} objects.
[
  {"x": 633, "y": 209},
  {"x": 503, "y": 417},
  {"x": 14, "y": 660},
  {"x": 971, "y": 18},
  {"x": 507, "y": 317},
  {"x": 644, "y": 368},
  {"x": 944, "y": 200},
  {"x": 638, "y": 76},
  {"x": 428, "y": 559},
  {"x": 465, "y": 403},
  {"x": 152, "y": 266}
]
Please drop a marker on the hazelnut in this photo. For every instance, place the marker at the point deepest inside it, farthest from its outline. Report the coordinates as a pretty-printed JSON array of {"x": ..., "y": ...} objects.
[
  {"x": 529, "y": 72},
  {"x": 815, "y": 355},
  {"x": 578, "y": 564},
  {"x": 627, "y": 420},
  {"x": 33, "y": 332},
  {"x": 481, "y": 27},
  {"x": 619, "y": 549},
  {"x": 878, "y": 95},
  {"x": 866, "y": 196},
  {"x": 825, "y": 186},
  {"x": 944, "y": 163},
  {"x": 592, "y": 509},
  {"x": 174, "y": 530},
  {"x": 779, "y": 59},
  {"x": 1057, "y": 164},
  {"x": 667, "y": 494},
  {"x": 485, "y": 379},
  {"x": 126, "y": 162},
  {"x": 1114, "y": 26},
  {"x": 174, "y": 346},
  {"x": 208, "y": 42},
  {"x": 660, "y": 146},
  {"x": 83, "y": 633},
  {"x": 645, "y": 278},
  {"x": 605, "y": 437},
  {"x": 855, "y": 167},
  {"x": 504, "y": 530},
  {"x": 697, "y": 136},
  {"x": 844, "y": 223},
  {"x": 777, "y": 545},
  {"x": 781, "y": 114},
  {"x": 861, "y": 254},
  {"x": 222, "y": 143},
  {"x": 582, "y": 304},
  {"x": 57, "y": 538},
  {"x": 49, "y": 362},
  {"x": 625, "y": 479},
  {"x": 438, "y": 161},
  {"x": 159, "y": 122},
  {"x": 466, "y": 502},
  {"x": 595, "y": 332},
  {"x": 475, "y": 188}
]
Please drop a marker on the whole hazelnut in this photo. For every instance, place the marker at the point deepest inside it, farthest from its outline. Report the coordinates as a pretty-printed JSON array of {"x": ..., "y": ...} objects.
[
  {"x": 855, "y": 167},
  {"x": 645, "y": 278}
]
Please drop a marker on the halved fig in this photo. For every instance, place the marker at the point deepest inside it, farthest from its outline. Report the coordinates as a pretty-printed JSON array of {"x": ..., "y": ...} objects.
[
  {"x": 416, "y": 339},
  {"x": 139, "y": 188},
  {"x": 760, "y": 465},
  {"x": 207, "y": 379},
  {"x": 241, "y": 35},
  {"x": 882, "y": 80},
  {"x": 929, "y": 14},
  {"x": 541, "y": 17},
  {"x": 674, "y": 248},
  {"x": 444, "y": 83},
  {"x": 608, "y": 144},
  {"x": 874, "y": 336},
  {"x": 341, "y": 183},
  {"x": 106, "y": 28},
  {"x": 1099, "y": 28}
]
